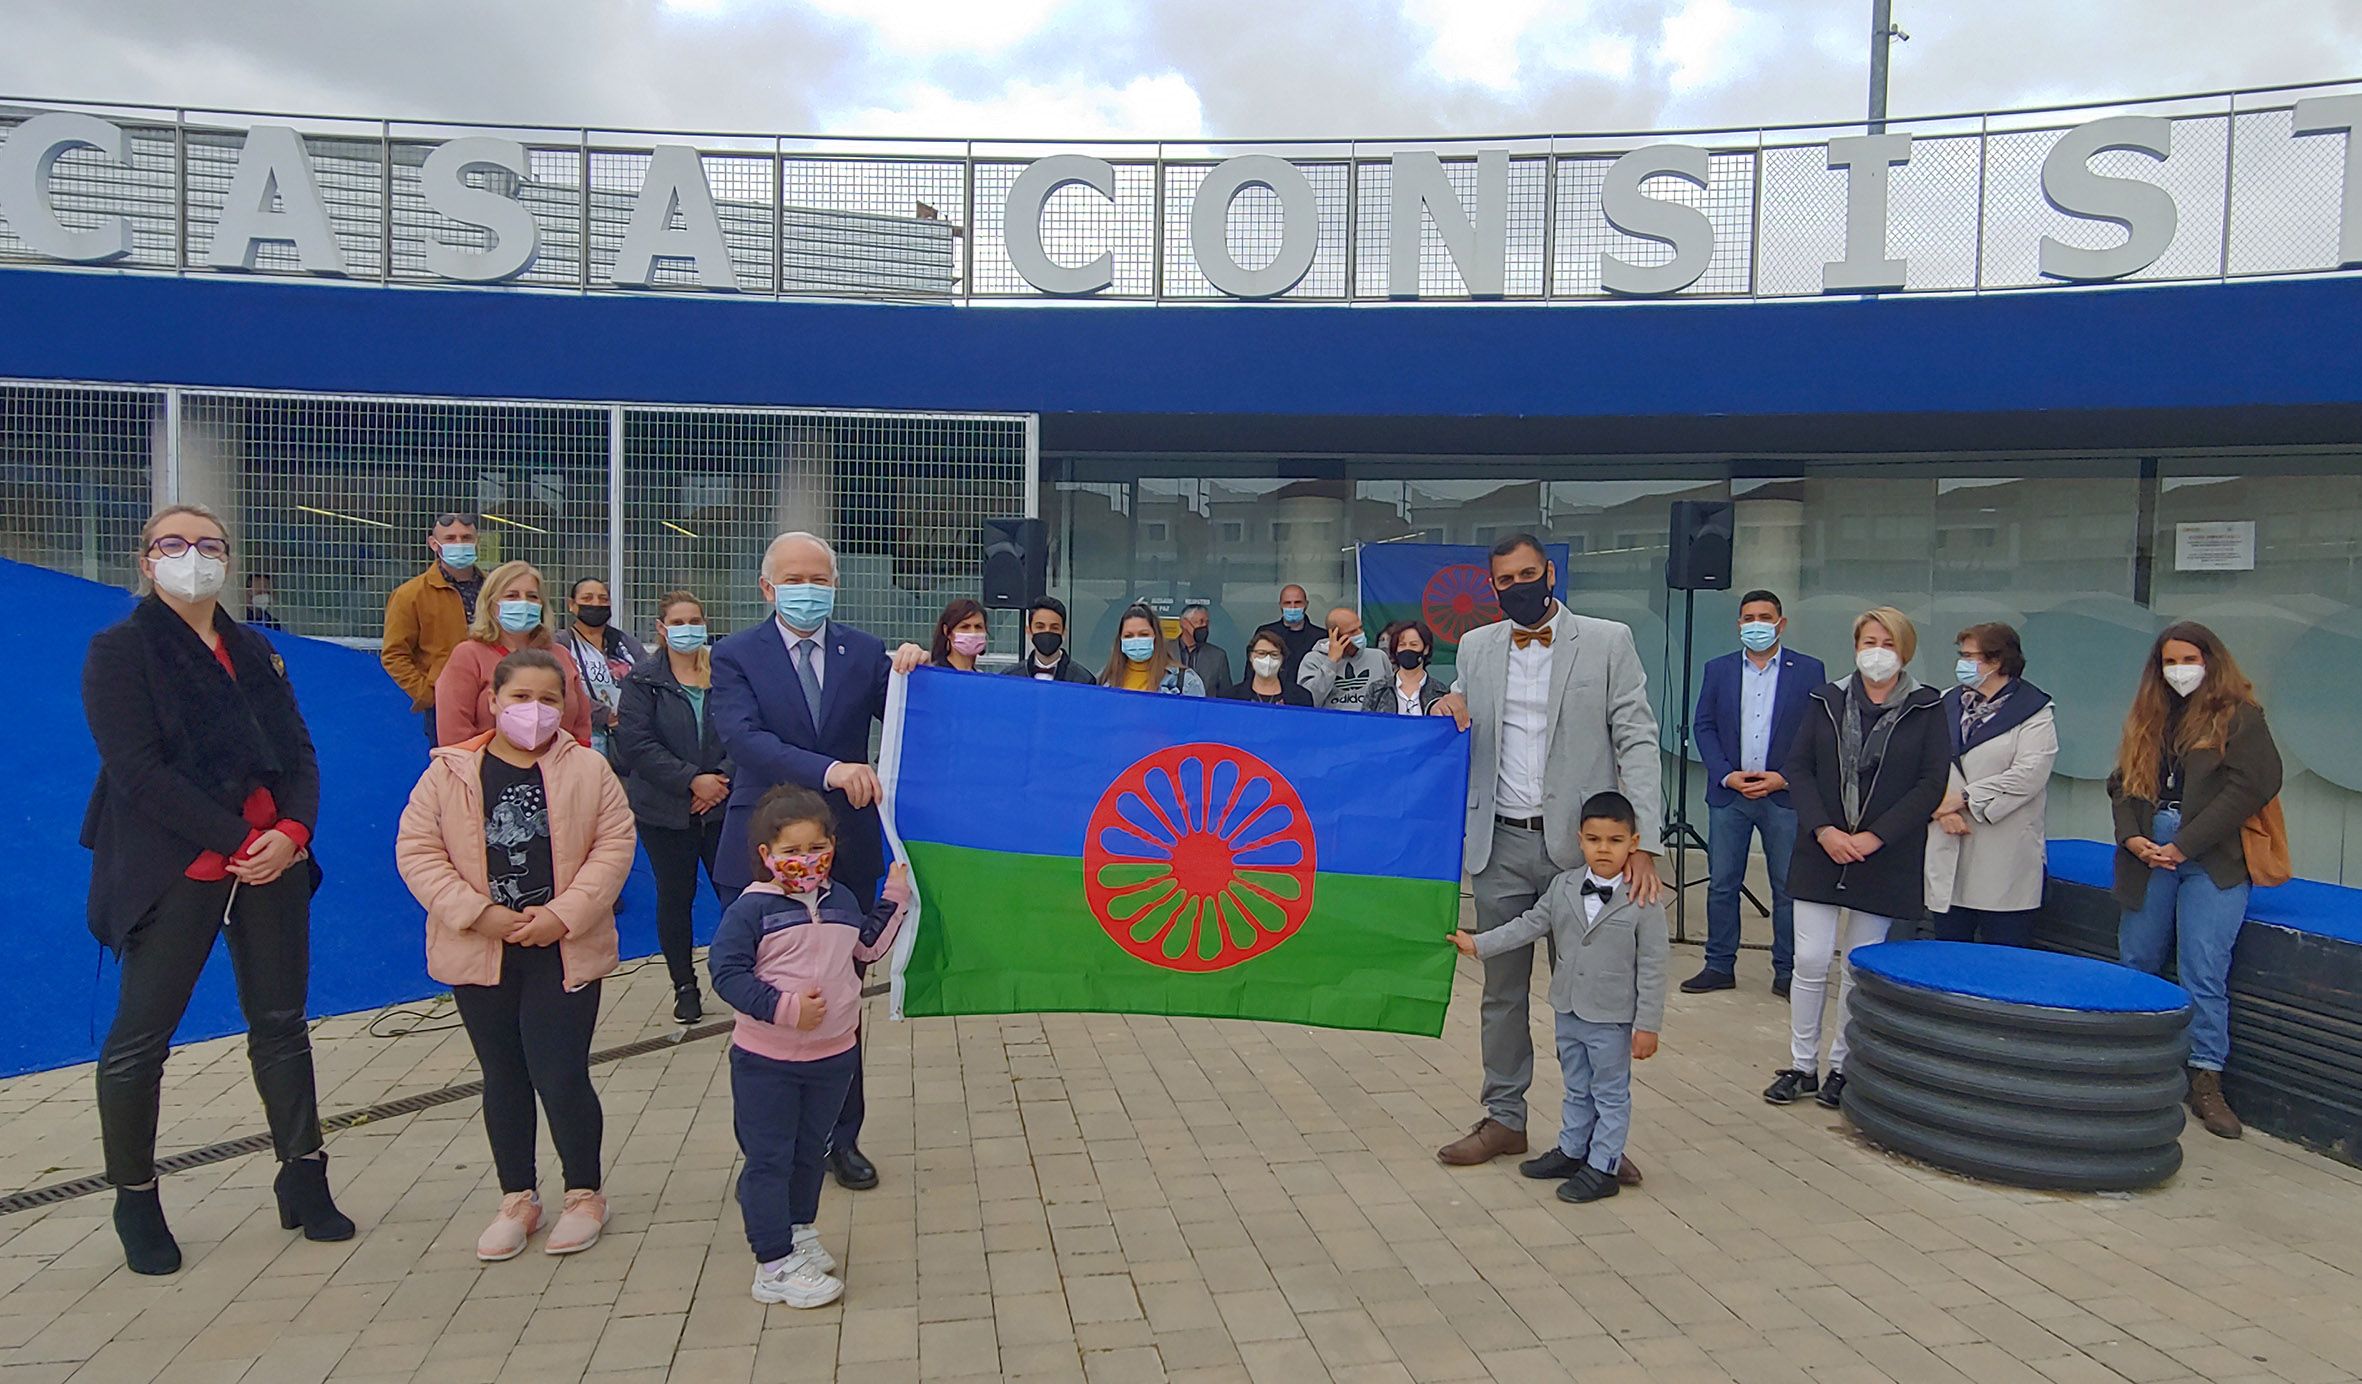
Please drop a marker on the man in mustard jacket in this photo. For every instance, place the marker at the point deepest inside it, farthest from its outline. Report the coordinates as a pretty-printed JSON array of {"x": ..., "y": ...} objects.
[{"x": 428, "y": 615}]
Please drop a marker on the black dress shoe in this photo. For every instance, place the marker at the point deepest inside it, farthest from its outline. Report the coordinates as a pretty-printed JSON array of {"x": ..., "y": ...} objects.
[
  {"x": 304, "y": 1201},
  {"x": 148, "y": 1246},
  {"x": 1553, "y": 1165},
  {"x": 688, "y": 1006},
  {"x": 1790, "y": 1083},
  {"x": 1832, "y": 1091},
  {"x": 854, "y": 1172},
  {"x": 1709, "y": 979},
  {"x": 1588, "y": 1184},
  {"x": 1780, "y": 986}
]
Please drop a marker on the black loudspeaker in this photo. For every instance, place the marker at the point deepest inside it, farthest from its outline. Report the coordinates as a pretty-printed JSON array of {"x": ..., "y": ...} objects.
[
  {"x": 1700, "y": 558},
  {"x": 1017, "y": 562}
]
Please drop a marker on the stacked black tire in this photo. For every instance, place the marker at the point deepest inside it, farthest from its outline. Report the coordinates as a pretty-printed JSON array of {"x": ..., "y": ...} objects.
[{"x": 2030, "y": 1095}]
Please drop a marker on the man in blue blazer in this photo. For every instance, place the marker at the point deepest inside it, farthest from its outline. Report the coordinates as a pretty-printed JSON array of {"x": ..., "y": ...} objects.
[
  {"x": 1746, "y": 717},
  {"x": 793, "y": 700}
]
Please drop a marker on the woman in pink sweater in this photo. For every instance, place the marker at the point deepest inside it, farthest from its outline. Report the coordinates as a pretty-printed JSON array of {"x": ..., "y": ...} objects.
[
  {"x": 517, "y": 842},
  {"x": 783, "y": 958},
  {"x": 511, "y": 614}
]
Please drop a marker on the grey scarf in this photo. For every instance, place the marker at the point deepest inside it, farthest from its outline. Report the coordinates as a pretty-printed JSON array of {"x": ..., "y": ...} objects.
[{"x": 1853, "y": 747}]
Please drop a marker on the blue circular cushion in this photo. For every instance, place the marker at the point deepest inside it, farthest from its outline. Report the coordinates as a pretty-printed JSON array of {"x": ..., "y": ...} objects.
[{"x": 2020, "y": 975}]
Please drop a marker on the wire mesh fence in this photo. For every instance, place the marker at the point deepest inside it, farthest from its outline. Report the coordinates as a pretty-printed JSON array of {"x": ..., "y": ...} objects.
[{"x": 330, "y": 498}]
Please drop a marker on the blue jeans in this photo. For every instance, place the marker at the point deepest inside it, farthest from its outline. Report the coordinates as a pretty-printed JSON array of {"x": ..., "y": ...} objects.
[
  {"x": 1596, "y": 1060},
  {"x": 2200, "y": 921},
  {"x": 783, "y": 1111},
  {"x": 1728, "y": 828}
]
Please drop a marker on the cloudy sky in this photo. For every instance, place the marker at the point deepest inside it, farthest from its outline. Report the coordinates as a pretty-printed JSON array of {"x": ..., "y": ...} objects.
[{"x": 1167, "y": 68}]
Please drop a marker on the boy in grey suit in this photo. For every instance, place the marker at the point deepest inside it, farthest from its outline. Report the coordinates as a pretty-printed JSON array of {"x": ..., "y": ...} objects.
[{"x": 1608, "y": 989}]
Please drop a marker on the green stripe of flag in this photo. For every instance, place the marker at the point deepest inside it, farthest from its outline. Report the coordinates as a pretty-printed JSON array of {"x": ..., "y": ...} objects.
[{"x": 1003, "y": 933}]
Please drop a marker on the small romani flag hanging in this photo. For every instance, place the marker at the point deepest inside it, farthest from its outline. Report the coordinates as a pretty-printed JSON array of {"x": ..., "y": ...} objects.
[{"x": 1082, "y": 849}]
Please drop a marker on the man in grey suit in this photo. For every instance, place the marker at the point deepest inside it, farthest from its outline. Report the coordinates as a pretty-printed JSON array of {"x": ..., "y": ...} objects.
[{"x": 1558, "y": 709}]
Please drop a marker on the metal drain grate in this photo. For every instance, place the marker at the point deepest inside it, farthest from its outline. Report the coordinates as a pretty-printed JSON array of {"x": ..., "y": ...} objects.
[{"x": 57, "y": 1192}]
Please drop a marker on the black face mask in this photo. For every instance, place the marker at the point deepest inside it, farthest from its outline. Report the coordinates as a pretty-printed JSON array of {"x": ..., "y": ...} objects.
[
  {"x": 1407, "y": 659},
  {"x": 1047, "y": 643},
  {"x": 1525, "y": 601},
  {"x": 593, "y": 616}
]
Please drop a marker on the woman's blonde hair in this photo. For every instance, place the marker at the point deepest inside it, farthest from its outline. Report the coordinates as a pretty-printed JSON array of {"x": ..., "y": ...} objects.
[
  {"x": 486, "y": 626},
  {"x": 703, "y": 659},
  {"x": 147, "y": 534},
  {"x": 1896, "y": 623}
]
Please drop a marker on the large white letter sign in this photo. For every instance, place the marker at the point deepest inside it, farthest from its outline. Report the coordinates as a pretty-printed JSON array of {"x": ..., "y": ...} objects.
[
  {"x": 1478, "y": 245},
  {"x": 675, "y": 183},
  {"x": 2144, "y": 210},
  {"x": 516, "y": 241},
  {"x": 2338, "y": 115},
  {"x": 273, "y": 199},
  {"x": 32, "y": 150},
  {"x": 1866, "y": 160},
  {"x": 1021, "y": 226},
  {"x": 1635, "y": 213},
  {"x": 1299, "y": 226}
]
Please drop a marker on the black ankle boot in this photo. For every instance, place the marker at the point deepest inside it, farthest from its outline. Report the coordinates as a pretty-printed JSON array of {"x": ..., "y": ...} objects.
[
  {"x": 148, "y": 1246},
  {"x": 304, "y": 1200}
]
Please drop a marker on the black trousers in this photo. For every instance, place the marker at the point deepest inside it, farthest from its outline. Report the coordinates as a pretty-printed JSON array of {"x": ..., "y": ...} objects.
[
  {"x": 674, "y": 854},
  {"x": 270, "y": 946},
  {"x": 532, "y": 1038},
  {"x": 2010, "y": 929}
]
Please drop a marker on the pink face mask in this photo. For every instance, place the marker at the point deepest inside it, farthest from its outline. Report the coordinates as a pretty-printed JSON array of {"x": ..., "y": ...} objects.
[
  {"x": 802, "y": 873},
  {"x": 528, "y": 725},
  {"x": 967, "y": 643}
]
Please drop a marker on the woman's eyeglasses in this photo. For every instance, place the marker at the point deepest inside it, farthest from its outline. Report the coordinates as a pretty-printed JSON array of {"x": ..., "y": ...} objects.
[{"x": 172, "y": 545}]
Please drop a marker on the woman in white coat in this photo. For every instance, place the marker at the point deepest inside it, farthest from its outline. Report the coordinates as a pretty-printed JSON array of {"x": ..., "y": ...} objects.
[{"x": 1985, "y": 851}]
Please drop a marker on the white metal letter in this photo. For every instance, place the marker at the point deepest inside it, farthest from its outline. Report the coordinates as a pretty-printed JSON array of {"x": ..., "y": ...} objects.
[
  {"x": 2338, "y": 115},
  {"x": 675, "y": 183},
  {"x": 1299, "y": 226},
  {"x": 515, "y": 240},
  {"x": 1866, "y": 160},
  {"x": 1478, "y": 245},
  {"x": 273, "y": 199},
  {"x": 1021, "y": 226},
  {"x": 2145, "y": 210},
  {"x": 1635, "y": 213},
  {"x": 32, "y": 150}
]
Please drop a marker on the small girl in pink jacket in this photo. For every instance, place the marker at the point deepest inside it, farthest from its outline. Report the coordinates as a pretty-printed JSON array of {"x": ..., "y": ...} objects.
[
  {"x": 783, "y": 958},
  {"x": 517, "y": 842}
]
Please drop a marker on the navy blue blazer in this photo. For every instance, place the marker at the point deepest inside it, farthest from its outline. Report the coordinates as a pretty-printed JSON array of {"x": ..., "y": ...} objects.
[
  {"x": 773, "y": 737},
  {"x": 1719, "y": 724}
]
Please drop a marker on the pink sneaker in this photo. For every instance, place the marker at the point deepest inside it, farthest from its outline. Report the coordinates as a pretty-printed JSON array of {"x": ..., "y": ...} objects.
[
  {"x": 579, "y": 1224},
  {"x": 520, "y": 1216}
]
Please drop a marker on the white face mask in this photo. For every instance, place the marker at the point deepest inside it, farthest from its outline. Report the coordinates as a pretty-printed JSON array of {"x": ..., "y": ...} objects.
[
  {"x": 1266, "y": 665},
  {"x": 1877, "y": 664},
  {"x": 2184, "y": 678},
  {"x": 190, "y": 577}
]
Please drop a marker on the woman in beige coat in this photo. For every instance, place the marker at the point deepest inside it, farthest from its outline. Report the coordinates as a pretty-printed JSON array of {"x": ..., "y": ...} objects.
[
  {"x": 517, "y": 842},
  {"x": 1985, "y": 851}
]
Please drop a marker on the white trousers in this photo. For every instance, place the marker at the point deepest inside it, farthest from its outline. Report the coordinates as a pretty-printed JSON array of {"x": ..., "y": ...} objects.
[{"x": 1817, "y": 929}]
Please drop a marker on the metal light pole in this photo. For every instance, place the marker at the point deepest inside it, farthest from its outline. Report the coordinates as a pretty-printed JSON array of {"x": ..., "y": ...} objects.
[{"x": 1883, "y": 33}]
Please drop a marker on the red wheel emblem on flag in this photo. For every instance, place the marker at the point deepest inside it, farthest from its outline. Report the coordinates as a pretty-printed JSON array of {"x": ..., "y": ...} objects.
[
  {"x": 1199, "y": 857},
  {"x": 1457, "y": 599}
]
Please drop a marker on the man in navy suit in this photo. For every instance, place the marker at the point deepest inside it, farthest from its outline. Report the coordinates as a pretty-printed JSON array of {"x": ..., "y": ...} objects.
[
  {"x": 1746, "y": 718},
  {"x": 793, "y": 699}
]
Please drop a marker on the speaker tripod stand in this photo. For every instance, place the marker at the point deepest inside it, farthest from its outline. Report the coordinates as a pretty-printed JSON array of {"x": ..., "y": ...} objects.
[{"x": 1680, "y": 832}]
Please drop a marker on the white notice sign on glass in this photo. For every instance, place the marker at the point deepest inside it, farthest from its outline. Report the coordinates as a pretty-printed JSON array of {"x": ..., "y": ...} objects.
[{"x": 2217, "y": 546}]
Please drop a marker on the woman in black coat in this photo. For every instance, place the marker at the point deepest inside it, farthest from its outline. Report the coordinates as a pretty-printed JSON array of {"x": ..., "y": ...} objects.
[
  {"x": 200, "y": 826},
  {"x": 679, "y": 781},
  {"x": 1866, "y": 771}
]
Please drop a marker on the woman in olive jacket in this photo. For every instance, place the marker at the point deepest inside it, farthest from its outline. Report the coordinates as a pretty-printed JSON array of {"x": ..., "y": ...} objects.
[
  {"x": 679, "y": 781},
  {"x": 2196, "y": 762}
]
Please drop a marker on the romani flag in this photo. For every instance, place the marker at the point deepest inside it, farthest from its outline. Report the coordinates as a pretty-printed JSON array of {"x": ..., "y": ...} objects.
[
  {"x": 1084, "y": 849},
  {"x": 1449, "y": 585}
]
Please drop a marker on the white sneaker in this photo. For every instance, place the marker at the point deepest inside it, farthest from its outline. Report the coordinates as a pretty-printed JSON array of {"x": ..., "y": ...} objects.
[
  {"x": 807, "y": 1244},
  {"x": 797, "y": 1282}
]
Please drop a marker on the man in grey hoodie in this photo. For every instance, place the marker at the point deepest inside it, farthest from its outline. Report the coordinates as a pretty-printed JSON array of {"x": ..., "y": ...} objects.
[{"x": 1341, "y": 672}]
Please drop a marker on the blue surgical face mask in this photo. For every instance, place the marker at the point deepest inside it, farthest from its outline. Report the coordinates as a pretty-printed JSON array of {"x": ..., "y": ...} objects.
[
  {"x": 520, "y": 617},
  {"x": 459, "y": 556},
  {"x": 686, "y": 639},
  {"x": 1137, "y": 647},
  {"x": 1759, "y": 635},
  {"x": 1969, "y": 671},
  {"x": 1294, "y": 615},
  {"x": 804, "y": 605}
]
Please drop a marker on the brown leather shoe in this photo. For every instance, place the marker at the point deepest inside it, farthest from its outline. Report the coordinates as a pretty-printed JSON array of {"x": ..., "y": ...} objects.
[
  {"x": 2207, "y": 1103},
  {"x": 1627, "y": 1171},
  {"x": 1486, "y": 1142}
]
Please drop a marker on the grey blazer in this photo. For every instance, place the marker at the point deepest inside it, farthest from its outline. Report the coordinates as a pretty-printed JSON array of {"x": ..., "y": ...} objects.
[
  {"x": 1603, "y": 733},
  {"x": 1610, "y": 970}
]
